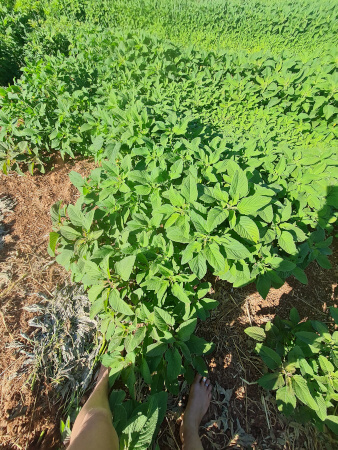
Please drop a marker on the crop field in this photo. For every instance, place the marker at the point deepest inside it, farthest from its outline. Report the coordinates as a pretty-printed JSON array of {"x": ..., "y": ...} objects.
[{"x": 190, "y": 150}]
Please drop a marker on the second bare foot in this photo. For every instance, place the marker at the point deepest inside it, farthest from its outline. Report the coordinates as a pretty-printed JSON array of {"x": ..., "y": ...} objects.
[{"x": 198, "y": 404}]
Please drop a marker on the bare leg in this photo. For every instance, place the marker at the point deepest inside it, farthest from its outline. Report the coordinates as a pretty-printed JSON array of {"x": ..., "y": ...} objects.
[
  {"x": 93, "y": 427},
  {"x": 198, "y": 404}
]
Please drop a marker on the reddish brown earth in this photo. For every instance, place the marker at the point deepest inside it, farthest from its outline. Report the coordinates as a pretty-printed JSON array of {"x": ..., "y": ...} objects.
[
  {"x": 29, "y": 419},
  {"x": 25, "y": 414}
]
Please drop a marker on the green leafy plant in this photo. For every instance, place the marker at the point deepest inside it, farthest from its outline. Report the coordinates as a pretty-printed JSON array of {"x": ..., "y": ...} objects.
[
  {"x": 137, "y": 424},
  {"x": 303, "y": 362},
  {"x": 147, "y": 228},
  {"x": 78, "y": 96}
]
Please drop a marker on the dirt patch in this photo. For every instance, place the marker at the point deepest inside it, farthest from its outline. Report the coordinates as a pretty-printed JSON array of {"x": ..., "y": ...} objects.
[{"x": 28, "y": 419}]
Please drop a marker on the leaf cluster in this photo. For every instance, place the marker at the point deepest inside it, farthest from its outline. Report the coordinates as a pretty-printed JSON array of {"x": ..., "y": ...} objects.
[{"x": 303, "y": 362}]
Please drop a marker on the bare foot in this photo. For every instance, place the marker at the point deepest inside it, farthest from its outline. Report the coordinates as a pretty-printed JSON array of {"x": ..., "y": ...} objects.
[{"x": 198, "y": 404}]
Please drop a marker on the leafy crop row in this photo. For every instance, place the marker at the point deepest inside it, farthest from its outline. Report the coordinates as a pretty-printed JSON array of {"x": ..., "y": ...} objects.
[
  {"x": 303, "y": 26},
  {"x": 260, "y": 103}
]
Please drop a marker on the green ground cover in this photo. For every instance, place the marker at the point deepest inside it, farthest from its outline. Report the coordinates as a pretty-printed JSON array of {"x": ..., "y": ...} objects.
[{"x": 213, "y": 125}]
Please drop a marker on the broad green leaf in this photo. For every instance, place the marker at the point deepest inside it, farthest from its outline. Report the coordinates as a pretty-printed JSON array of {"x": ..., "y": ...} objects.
[
  {"x": 322, "y": 409},
  {"x": 156, "y": 349},
  {"x": 95, "y": 291},
  {"x": 256, "y": 333},
  {"x": 96, "y": 308},
  {"x": 334, "y": 314},
  {"x": 239, "y": 185},
  {"x": 302, "y": 391},
  {"x": 200, "y": 366},
  {"x": 179, "y": 292},
  {"x": 269, "y": 356},
  {"x": 139, "y": 176},
  {"x": 176, "y": 169},
  {"x": 64, "y": 258},
  {"x": 325, "y": 364},
  {"x": 86, "y": 127},
  {"x": 175, "y": 197},
  {"x": 166, "y": 209},
  {"x": 177, "y": 235},
  {"x": 209, "y": 303},
  {"x": 263, "y": 284},
  {"x": 75, "y": 215},
  {"x": 129, "y": 378},
  {"x": 282, "y": 265},
  {"x": 76, "y": 179},
  {"x": 247, "y": 229},
  {"x": 189, "y": 189},
  {"x": 97, "y": 143},
  {"x": 305, "y": 367},
  {"x": 235, "y": 249},
  {"x": 125, "y": 267},
  {"x": 174, "y": 362},
  {"x": 215, "y": 217},
  {"x": 185, "y": 350},
  {"x": 286, "y": 400},
  {"x": 199, "y": 223},
  {"x": 214, "y": 256},
  {"x": 271, "y": 381},
  {"x": 308, "y": 337},
  {"x": 294, "y": 316},
  {"x": 250, "y": 206},
  {"x": 287, "y": 211},
  {"x": 329, "y": 110},
  {"x": 171, "y": 220},
  {"x": 69, "y": 233},
  {"x": 116, "y": 397},
  {"x": 142, "y": 190},
  {"x": 287, "y": 243},
  {"x": 198, "y": 266},
  {"x": 323, "y": 261},
  {"x": 91, "y": 273},
  {"x": 118, "y": 304},
  {"x": 300, "y": 275},
  {"x": 185, "y": 330},
  {"x": 199, "y": 346},
  {"x": 55, "y": 212},
  {"x": 300, "y": 236},
  {"x": 321, "y": 328},
  {"x": 267, "y": 214},
  {"x": 87, "y": 223},
  {"x": 137, "y": 338},
  {"x": 163, "y": 319},
  {"x": 188, "y": 252}
]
